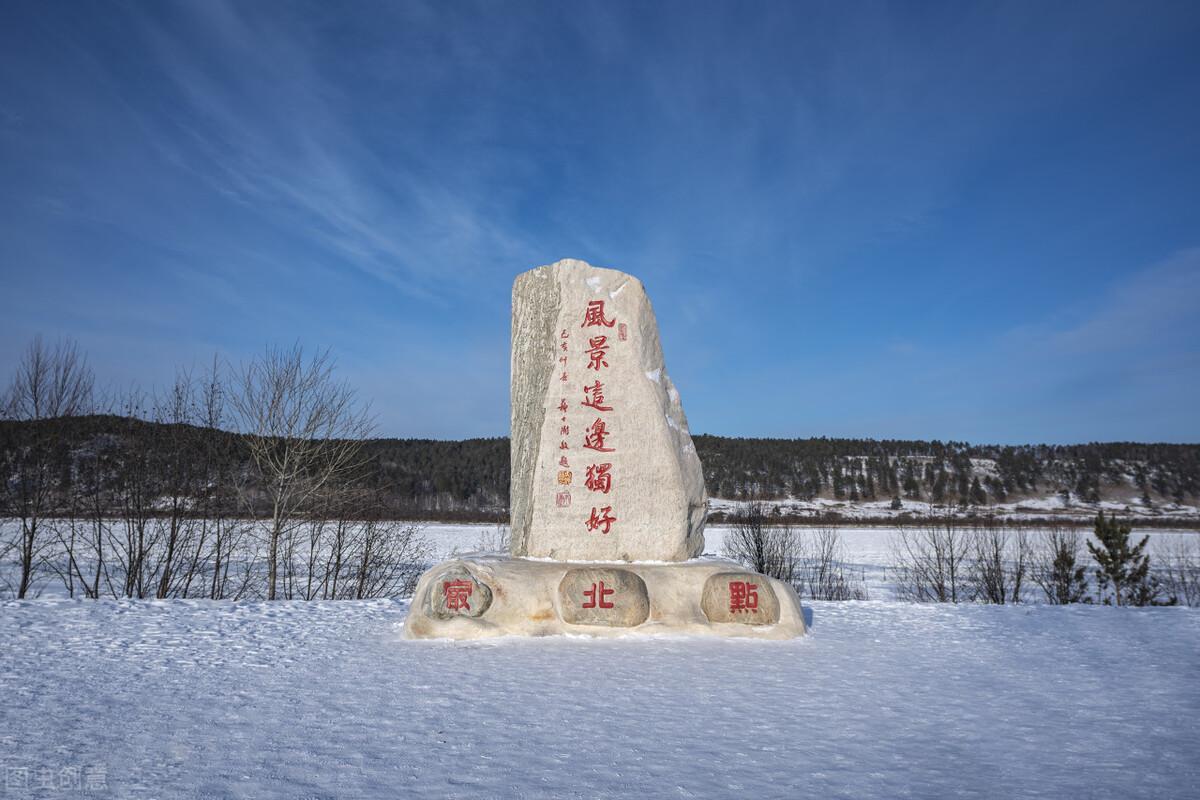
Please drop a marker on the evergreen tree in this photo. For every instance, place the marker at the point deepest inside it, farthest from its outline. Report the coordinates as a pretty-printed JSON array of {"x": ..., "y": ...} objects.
[
  {"x": 938, "y": 494},
  {"x": 978, "y": 495},
  {"x": 1122, "y": 568},
  {"x": 912, "y": 489},
  {"x": 1063, "y": 579}
]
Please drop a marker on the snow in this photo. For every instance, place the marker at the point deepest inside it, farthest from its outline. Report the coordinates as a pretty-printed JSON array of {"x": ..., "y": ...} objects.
[{"x": 215, "y": 699}]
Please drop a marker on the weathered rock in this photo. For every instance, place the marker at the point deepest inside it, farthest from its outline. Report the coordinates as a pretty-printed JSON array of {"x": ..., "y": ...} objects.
[
  {"x": 744, "y": 597},
  {"x": 603, "y": 466},
  {"x": 603, "y": 596},
  {"x": 533, "y": 598},
  {"x": 455, "y": 592}
]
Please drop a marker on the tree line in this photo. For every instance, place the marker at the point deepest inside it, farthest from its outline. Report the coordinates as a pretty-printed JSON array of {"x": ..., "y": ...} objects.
[
  {"x": 152, "y": 495},
  {"x": 468, "y": 480},
  {"x": 950, "y": 473},
  {"x": 265, "y": 478},
  {"x": 944, "y": 561}
]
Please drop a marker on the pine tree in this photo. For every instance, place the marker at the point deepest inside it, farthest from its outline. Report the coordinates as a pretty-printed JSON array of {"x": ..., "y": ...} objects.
[
  {"x": 1122, "y": 566},
  {"x": 978, "y": 495},
  {"x": 939, "y": 487},
  {"x": 1063, "y": 579},
  {"x": 912, "y": 489}
]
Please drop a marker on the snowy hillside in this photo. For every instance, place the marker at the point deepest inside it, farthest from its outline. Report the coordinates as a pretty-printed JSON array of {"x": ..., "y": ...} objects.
[
  {"x": 198, "y": 699},
  {"x": 1052, "y": 508}
]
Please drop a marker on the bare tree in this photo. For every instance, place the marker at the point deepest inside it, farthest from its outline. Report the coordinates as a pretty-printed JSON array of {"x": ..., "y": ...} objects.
[
  {"x": 1058, "y": 567},
  {"x": 1180, "y": 553},
  {"x": 49, "y": 383},
  {"x": 822, "y": 574},
  {"x": 222, "y": 536},
  {"x": 930, "y": 563},
  {"x": 177, "y": 478},
  {"x": 497, "y": 539},
  {"x": 1001, "y": 563},
  {"x": 389, "y": 557},
  {"x": 134, "y": 535},
  {"x": 773, "y": 550},
  {"x": 304, "y": 431}
]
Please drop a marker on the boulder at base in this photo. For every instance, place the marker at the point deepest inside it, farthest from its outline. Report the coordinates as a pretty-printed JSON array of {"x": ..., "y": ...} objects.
[
  {"x": 603, "y": 466},
  {"x": 543, "y": 598}
]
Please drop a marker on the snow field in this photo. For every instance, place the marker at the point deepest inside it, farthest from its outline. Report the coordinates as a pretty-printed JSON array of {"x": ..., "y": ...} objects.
[{"x": 198, "y": 699}]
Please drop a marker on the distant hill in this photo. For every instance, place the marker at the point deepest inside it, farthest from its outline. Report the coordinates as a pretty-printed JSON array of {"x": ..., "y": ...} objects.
[{"x": 469, "y": 479}]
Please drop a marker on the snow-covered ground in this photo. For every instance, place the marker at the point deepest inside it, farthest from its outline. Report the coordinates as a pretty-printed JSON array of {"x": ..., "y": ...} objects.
[{"x": 216, "y": 699}]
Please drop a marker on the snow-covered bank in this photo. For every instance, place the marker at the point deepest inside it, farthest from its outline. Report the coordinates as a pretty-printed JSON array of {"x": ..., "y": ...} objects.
[{"x": 217, "y": 699}]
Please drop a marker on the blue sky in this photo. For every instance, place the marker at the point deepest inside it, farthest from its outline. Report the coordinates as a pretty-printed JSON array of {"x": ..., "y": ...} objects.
[{"x": 967, "y": 221}]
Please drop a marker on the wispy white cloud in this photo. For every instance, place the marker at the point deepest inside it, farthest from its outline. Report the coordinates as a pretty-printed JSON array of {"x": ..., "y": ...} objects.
[{"x": 259, "y": 121}]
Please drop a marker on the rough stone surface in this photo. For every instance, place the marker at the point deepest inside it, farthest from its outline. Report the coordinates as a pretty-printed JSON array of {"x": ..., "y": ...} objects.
[
  {"x": 526, "y": 601},
  {"x": 616, "y": 479},
  {"x": 603, "y": 596},
  {"x": 741, "y": 597},
  {"x": 455, "y": 592}
]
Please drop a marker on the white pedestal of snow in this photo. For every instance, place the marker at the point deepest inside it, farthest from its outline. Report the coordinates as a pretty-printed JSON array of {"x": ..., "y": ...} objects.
[{"x": 478, "y": 596}]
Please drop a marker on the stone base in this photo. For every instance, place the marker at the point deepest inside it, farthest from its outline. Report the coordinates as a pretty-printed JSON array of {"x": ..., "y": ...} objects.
[{"x": 479, "y": 596}]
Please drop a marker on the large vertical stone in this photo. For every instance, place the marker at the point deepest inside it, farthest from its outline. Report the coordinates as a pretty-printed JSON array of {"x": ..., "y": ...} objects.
[{"x": 602, "y": 472}]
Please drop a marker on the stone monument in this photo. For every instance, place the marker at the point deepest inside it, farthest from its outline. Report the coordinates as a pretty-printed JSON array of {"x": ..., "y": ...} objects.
[{"x": 607, "y": 501}]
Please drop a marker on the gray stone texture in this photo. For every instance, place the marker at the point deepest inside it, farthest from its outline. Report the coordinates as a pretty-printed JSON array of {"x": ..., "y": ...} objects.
[{"x": 637, "y": 493}]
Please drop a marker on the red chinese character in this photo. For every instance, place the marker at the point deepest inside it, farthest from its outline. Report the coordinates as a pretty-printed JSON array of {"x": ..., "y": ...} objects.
[
  {"x": 456, "y": 594},
  {"x": 562, "y": 346},
  {"x": 563, "y": 377},
  {"x": 594, "y": 315},
  {"x": 596, "y": 595},
  {"x": 563, "y": 405},
  {"x": 603, "y": 518},
  {"x": 599, "y": 349},
  {"x": 562, "y": 360},
  {"x": 622, "y": 332},
  {"x": 564, "y": 430},
  {"x": 563, "y": 335},
  {"x": 562, "y": 462},
  {"x": 563, "y": 446},
  {"x": 599, "y": 479},
  {"x": 594, "y": 439},
  {"x": 596, "y": 401},
  {"x": 562, "y": 499},
  {"x": 743, "y": 597}
]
